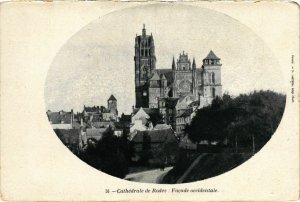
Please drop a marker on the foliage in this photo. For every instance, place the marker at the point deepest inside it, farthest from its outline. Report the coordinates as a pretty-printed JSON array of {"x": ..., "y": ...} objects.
[
  {"x": 110, "y": 154},
  {"x": 156, "y": 118},
  {"x": 251, "y": 119}
]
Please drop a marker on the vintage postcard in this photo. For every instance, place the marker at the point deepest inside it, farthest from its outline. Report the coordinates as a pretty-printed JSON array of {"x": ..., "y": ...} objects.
[{"x": 149, "y": 101}]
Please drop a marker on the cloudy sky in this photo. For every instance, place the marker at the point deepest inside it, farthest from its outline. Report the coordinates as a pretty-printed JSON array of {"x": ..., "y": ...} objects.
[{"x": 98, "y": 60}]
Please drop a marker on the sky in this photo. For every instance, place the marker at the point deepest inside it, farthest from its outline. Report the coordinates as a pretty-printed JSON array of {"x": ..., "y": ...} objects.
[{"x": 98, "y": 60}]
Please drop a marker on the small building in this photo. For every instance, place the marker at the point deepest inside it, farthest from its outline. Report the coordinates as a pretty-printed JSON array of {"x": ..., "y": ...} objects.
[
  {"x": 167, "y": 107},
  {"x": 108, "y": 116},
  {"x": 182, "y": 120},
  {"x": 61, "y": 119},
  {"x": 138, "y": 126},
  {"x": 92, "y": 114},
  {"x": 96, "y": 113},
  {"x": 140, "y": 115}
]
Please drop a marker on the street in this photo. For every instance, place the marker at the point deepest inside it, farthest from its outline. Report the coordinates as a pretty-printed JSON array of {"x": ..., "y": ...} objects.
[{"x": 151, "y": 176}]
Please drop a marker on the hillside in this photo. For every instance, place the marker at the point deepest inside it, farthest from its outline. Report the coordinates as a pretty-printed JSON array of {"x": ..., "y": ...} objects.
[{"x": 205, "y": 166}]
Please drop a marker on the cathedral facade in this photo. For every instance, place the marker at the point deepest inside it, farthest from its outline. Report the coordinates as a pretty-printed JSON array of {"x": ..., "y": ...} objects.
[{"x": 182, "y": 80}]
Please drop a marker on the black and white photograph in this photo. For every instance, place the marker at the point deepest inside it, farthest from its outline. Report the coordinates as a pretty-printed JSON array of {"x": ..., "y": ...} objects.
[
  {"x": 149, "y": 101},
  {"x": 165, "y": 101}
]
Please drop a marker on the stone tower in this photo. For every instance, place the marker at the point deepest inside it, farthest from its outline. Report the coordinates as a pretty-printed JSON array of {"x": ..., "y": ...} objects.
[
  {"x": 211, "y": 78},
  {"x": 145, "y": 61},
  {"x": 154, "y": 90},
  {"x": 112, "y": 105}
]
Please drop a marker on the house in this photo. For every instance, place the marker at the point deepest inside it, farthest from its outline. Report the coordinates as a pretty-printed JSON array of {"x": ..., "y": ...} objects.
[
  {"x": 182, "y": 120},
  {"x": 61, "y": 119},
  {"x": 96, "y": 133},
  {"x": 96, "y": 113},
  {"x": 167, "y": 107},
  {"x": 95, "y": 110},
  {"x": 107, "y": 115},
  {"x": 92, "y": 113},
  {"x": 138, "y": 126},
  {"x": 140, "y": 120},
  {"x": 140, "y": 115}
]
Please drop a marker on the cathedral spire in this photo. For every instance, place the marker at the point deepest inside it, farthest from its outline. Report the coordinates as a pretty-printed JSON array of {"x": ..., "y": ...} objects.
[
  {"x": 144, "y": 30},
  {"x": 194, "y": 64},
  {"x": 136, "y": 42},
  {"x": 173, "y": 64}
]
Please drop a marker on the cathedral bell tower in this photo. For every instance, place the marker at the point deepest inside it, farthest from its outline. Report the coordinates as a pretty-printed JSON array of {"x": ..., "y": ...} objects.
[
  {"x": 144, "y": 60},
  {"x": 211, "y": 77}
]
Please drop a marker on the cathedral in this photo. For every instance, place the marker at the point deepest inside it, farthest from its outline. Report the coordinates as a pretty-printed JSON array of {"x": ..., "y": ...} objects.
[{"x": 183, "y": 80}]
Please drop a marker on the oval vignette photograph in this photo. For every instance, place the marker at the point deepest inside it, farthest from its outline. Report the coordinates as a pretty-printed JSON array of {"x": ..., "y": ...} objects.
[{"x": 165, "y": 94}]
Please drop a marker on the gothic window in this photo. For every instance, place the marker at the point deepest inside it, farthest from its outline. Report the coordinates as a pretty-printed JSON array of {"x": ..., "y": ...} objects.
[
  {"x": 213, "y": 78},
  {"x": 141, "y": 51},
  {"x": 213, "y": 92}
]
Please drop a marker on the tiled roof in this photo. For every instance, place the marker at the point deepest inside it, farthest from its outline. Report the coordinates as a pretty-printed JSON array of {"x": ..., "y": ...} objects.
[
  {"x": 94, "y": 109},
  {"x": 211, "y": 55},
  {"x": 156, "y": 136},
  {"x": 161, "y": 126},
  {"x": 58, "y": 117},
  {"x": 186, "y": 113},
  {"x": 167, "y": 73},
  {"x": 147, "y": 110},
  {"x": 96, "y": 117},
  {"x": 112, "y": 97},
  {"x": 96, "y": 133},
  {"x": 155, "y": 77},
  {"x": 102, "y": 124}
]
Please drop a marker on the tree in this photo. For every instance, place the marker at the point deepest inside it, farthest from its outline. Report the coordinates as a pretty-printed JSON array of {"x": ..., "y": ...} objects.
[
  {"x": 156, "y": 118},
  {"x": 109, "y": 154},
  {"x": 248, "y": 120}
]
